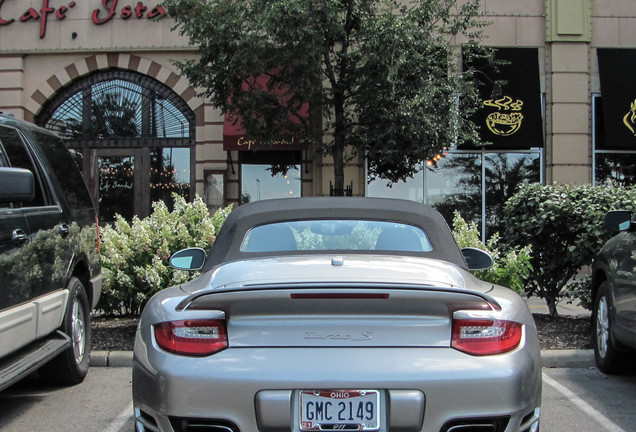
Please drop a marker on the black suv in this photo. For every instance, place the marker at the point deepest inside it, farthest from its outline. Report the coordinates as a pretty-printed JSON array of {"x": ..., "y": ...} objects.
[
  {"x": 50, "y": 271},
  {"x": 614, "y": 295}
]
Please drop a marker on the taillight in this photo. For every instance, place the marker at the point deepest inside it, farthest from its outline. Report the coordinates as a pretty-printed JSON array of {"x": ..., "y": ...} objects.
[
  {"x": 192, "y": 337},
  {"x": 485, "y": 336}
]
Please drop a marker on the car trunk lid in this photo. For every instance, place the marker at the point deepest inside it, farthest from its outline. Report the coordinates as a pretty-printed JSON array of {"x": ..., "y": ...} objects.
[{"x": 378, "y": 315}]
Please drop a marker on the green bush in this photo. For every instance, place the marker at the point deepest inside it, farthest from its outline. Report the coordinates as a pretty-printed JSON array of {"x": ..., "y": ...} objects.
[
  {"x": 564, "y": 225},
  {"x": 135, "y": 256},
  {"x": 510, "y": 269}
]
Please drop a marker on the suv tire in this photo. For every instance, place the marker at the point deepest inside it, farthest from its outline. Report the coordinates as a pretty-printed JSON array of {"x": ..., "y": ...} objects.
[
  {"x": 607, "y": 352},
  {"x": 71, "y": 366}
]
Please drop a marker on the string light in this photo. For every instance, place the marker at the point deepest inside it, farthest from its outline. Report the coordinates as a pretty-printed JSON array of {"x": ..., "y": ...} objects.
[{"x": 433, "y": 162}]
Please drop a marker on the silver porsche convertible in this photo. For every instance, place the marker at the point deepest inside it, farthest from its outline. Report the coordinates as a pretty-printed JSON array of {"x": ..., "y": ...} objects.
[{"x": 323, "y": 314}]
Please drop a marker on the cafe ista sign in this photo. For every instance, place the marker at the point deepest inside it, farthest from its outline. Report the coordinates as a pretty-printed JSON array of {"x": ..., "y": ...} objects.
[{"x": 104, "y": 12}]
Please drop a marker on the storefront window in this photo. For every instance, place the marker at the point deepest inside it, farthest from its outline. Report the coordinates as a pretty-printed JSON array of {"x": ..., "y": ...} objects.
[
  {"x": 135, "y": 137},
  {"x": 258, "y": 183},
  {"x": 504, "y": 173},
  {"x": 475, "y": 184},
  {"x": 611, "y": 165},
  {"x": 455, "y": 184},
  {"x": 615, "y": 168},
  {"x": 169, "y": 173}
]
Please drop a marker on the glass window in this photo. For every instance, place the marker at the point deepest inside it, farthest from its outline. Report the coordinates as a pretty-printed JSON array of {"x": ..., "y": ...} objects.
[
  {"x": 412, "y": 190},
  {"x": 169, "y": 173},
  {"x": 610, "y": 166},
  {"x": 118, "y": 108},
  {"x": 505, "y": 172},
  {"x": 475, "y": 184},
  {"x": 19, "y": 157},
  {"x": 116, "y": 187},
  {"x": 615, "y": 168},
  {"x": 317, "y": 235},
  {"x": 258, "y": 183},
  {"x": 455, "y": 183},
  {"x": 61, "y": 162}
]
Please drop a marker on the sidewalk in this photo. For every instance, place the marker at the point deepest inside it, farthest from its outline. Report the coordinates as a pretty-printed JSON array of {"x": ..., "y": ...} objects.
[
  {"x": 549, "y": 358},
  {"x": 537, "y": 305}
]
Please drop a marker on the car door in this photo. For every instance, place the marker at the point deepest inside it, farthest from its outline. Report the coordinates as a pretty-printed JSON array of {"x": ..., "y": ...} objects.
[
  {"x": 36, "y": 255},
  {"x": 625, "y": 283},
  {"x": 14, "y": 233}
]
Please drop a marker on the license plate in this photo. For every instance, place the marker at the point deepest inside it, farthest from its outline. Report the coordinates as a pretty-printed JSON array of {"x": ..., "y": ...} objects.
[{"x": 340, "y": 410}]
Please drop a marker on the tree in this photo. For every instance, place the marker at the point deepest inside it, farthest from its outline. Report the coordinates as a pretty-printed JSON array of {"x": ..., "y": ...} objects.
[
  {"x": 385, "y": 75},
  {"x": 564, "y": 225}
]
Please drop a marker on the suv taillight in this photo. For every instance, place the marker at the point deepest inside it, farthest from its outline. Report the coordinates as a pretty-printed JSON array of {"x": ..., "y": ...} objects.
[
  {"x": 485, "y": 336},
  {"x": 192, "y": 337}
]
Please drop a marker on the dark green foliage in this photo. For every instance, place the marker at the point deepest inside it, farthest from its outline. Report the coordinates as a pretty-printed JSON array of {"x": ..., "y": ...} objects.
[
  {"x": 381, "y": 76},
  {"x": 564, "y": 225}
]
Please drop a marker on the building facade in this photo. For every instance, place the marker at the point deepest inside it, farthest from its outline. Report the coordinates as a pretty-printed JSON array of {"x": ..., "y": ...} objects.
[{"x": 102, "y": 72}]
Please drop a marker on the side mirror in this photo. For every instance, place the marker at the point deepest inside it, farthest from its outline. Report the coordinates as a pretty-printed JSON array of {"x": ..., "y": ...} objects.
[
  {"x": 477, "y": 259},
  {"x": 17, "y": 185},
  {"x": 618, "y": 220},
  {"x": 190, "y": 259}
]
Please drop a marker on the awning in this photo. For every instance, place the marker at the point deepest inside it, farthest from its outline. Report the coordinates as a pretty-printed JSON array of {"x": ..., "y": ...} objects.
[
  {"x": 235, "y": 137},
  {"x": 618, "y": 95},
  {"x": 510, "y": 114}
]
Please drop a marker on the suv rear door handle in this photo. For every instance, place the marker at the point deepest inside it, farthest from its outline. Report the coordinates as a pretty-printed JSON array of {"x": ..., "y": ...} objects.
[{"x": 19, "y": 237}]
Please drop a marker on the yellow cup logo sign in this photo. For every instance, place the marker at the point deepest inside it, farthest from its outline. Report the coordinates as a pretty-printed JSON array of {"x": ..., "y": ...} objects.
[
  {"x": 507, "y": 119},
  {"x": 630, "y": 118}
]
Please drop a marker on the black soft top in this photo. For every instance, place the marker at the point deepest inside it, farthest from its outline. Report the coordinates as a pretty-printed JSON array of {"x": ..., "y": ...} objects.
[{"x": 227, "y": 244}]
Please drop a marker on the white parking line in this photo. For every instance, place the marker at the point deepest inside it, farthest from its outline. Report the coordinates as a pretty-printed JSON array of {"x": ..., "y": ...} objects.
[
  {"x": 120, "y": 420},
  {"x": 606, "y": 423}
]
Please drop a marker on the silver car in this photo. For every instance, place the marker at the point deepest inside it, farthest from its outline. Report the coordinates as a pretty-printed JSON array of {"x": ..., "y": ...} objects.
[{"x": 316, "y": 314}]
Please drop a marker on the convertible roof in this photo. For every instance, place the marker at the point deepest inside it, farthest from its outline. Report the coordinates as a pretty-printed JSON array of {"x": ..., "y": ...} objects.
[{"x": 227, "y": 244}]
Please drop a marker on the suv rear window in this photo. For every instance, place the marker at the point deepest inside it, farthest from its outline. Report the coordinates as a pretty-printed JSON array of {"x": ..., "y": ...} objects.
[
  {"x": 60, "y": 162},
  {"x": 19, "y": 157},
  {"x": 336, "y": 234}
]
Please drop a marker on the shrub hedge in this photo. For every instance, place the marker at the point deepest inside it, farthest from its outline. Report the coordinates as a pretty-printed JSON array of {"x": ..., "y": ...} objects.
[
  {"x": 135, "y": 255},
  {"x": 564, "y": 226}
]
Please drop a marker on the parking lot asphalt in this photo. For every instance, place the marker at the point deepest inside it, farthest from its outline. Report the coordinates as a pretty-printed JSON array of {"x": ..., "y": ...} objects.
[{"x": 549, "y": 358}]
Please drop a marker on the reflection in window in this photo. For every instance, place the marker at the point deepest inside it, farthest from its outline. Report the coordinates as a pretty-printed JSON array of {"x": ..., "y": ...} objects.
[
  {"x": 118, "y": 108},
  {"x": 475, "y": 184},
  {"x": 456, "y": 184},
  {"x": 257, "y": 183},
  {"x": 616, "y": 168},
  {"x": 116, "y": 187},
  {"x": 169, "y": 173},
  {"x": 505, "y": 172},
  {"x": 411, "y": 190},
  {"x": 612, "y": 165},
  {"x": 332, "y": 234}
]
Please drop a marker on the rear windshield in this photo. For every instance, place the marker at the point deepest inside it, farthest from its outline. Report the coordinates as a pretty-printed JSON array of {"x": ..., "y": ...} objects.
[{"x": 336, "y": 234}]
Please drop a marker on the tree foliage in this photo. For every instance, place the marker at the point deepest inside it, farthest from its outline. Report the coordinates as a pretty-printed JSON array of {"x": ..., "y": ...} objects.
[
  {"x": 382, "y": 74},
  {"x": 564, "y": 225},
  {"x": 511, "y": 268}
]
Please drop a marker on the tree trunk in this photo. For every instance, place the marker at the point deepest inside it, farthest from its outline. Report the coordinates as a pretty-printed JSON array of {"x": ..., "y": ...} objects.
[
  {"x": 338, "y": 171},
  {"x": 338, "y": 147},
  {"x": 552, "y": 306}
]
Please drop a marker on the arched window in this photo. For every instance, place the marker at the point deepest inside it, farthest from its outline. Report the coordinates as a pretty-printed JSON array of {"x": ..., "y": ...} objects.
[{"x": 134, "y": 138}]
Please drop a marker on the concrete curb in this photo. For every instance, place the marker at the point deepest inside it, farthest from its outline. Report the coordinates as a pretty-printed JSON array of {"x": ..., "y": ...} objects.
[
  {"x": 568, "y": 359},
  {"x": 549, "y": 358},
  {"x": 111, "y": 358}
]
